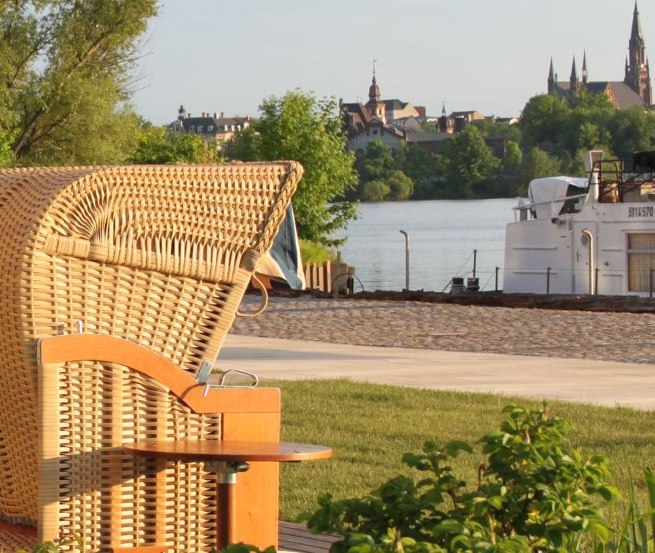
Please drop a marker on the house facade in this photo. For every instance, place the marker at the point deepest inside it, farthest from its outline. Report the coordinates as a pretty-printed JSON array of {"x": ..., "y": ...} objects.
[{"x": 211, "y": 126}]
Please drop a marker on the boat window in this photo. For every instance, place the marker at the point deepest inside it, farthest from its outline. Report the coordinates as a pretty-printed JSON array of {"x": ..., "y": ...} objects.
[
  {"x": 641, "y": 261},
  {"x": 572, "y": 205}
]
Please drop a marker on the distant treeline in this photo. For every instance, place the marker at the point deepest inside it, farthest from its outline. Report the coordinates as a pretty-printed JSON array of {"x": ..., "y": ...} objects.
[{"x": 552, "y": 138}]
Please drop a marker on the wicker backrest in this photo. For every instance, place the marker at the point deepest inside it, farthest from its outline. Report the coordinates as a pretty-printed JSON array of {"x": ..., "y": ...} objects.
[{"x": 159, "y": 255}]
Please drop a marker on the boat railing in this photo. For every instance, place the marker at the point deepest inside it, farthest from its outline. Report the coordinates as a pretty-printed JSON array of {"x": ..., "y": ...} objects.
[
  {"x": 524, "y": 208},
  {"x": 619, "y": 183}
]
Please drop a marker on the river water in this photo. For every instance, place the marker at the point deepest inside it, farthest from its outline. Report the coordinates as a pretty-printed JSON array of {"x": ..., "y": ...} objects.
[{"x": 442, "y": 237}]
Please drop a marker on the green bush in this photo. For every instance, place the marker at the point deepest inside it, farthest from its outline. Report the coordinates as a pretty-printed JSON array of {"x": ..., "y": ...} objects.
[
  {"x": 375, "y": 191},
  {"x": 534, "y": 493},
  {"x": 314, "y": 253}
]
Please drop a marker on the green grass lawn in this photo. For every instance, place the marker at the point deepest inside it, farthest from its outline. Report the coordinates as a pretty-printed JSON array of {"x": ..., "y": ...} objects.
[{"x": 371, "y": 426}]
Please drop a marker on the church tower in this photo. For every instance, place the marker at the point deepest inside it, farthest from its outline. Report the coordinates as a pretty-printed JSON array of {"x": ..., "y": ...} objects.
[
  {"x": 637, "y": 74},
  {"x": 376, "y": 107}
]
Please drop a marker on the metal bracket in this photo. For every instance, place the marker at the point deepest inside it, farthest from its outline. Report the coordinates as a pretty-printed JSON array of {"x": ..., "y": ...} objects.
[
  {"x": 226, "y": 470},
  {"x": 204, "y": 371},
  {"x": 202, "y": 377}
]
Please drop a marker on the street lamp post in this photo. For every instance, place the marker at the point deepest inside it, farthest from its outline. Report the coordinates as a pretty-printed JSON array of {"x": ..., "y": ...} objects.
[{"x": 406, "y": 259}]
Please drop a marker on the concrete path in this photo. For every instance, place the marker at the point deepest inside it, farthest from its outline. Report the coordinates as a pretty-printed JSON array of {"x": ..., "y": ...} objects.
[{"x": 606, "y": 383}]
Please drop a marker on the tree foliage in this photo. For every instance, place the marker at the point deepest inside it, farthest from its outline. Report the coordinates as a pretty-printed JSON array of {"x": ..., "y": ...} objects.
[
  {"x": 537, "y": 163},
  {"x": 66, "y": 74},
  {"x": 301, "y": 127},
  {"x": 468, "y": 160},
  {"x": 543, "y": 121},
  {"x": 425, "y": 169},
  {"x": 381, "y": 175},
  {"x": 513, "y": 159},
  {"x": 157, "y": 145},
  {"x": 376, "y": 162},
  {"x": 491, "y": 127},
  {"x": 631, "y": 131},
  {"x": 375, "y": 191}
]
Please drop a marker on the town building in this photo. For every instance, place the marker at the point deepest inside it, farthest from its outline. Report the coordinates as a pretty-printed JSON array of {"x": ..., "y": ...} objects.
[
  {"x": 211, "y": 126},
  {"x": 393, "y": 122},
  {"x": 388, "y": 121},
  {"x": 634, "y": 90}
]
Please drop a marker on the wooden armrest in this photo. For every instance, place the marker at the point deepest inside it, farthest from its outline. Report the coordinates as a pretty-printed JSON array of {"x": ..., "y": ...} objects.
[
  {"x": 110, "y": 349},
  {"x": 142, "y": 549}
]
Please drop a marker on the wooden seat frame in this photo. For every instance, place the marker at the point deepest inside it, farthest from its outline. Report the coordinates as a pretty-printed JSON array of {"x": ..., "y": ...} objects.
[{"x": 247, "y": 414}]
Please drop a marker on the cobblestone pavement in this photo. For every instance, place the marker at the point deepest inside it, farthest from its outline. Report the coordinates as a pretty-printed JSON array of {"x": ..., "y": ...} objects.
[{"x": 627, "y": 337}]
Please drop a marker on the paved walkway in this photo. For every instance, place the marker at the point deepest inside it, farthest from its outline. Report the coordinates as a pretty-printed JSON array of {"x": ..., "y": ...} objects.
[
  {"x": 623, "y": 337},
  {"x": 607, "y": 383}
]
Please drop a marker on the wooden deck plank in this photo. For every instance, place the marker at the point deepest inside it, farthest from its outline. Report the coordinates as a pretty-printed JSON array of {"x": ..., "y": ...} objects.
[{"x": 296, "y": 537}]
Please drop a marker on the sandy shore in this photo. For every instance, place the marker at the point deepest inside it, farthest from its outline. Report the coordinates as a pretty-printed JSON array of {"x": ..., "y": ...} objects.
[{"x": 623, "y": 337}]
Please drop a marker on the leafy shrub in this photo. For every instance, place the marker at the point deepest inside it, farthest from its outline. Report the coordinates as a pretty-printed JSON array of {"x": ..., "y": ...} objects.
[
  {"x": 375, "y": 191},
  {"x": 312, "y": 252},
  {"x": 534, "y": 493}
]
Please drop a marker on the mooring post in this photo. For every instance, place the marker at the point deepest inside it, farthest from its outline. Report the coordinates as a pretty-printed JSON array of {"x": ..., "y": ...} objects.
[
  {"x": 497, "y": 269},
  {"x": 406, "y": 259},
  {"x": 547, "y": 280},
  {"x": 475, "y": 261}
]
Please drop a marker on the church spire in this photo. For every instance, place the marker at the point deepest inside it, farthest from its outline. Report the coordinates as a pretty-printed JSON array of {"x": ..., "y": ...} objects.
[
  {"x": 636, "y": 33},
  {"x": 637, "y": 75},
  {"x": 574, "y": 83},
  {"x": 374, "y": 89},
  {"x": 584, "y": 68},
  {"x": 551, "y": 78}
]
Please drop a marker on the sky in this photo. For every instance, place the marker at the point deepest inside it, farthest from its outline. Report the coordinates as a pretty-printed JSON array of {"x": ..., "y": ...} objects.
[{"x": 490, "y": 56}]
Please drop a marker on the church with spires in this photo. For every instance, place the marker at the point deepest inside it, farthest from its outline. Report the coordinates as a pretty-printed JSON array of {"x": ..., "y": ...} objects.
[{"x": 635, "y": 88}]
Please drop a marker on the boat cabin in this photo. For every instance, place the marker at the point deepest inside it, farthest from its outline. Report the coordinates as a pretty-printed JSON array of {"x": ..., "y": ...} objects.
[{"x": 593, "y": 235}]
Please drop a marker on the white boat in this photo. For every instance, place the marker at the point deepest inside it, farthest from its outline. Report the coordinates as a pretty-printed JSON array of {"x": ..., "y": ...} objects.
[{"x": 592, "y": 235}]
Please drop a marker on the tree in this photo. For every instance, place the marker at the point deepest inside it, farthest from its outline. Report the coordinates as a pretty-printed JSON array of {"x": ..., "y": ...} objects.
[
  {"x": 543, "y": 121},
  {"x": 537, "y": 163},
  {"x": 490, "y": 127},
  {"x": 65, "y": 67},
  {"x": 6, "y": 154},
  {"x": 244, "y": 145},
  {"x": 376, "y": 162},
  {"x": 513, "y": 158},
  {"x": 159, "y": 146},
  {"x": 380, "y": 173},
  {"x": 400, "y": 186},
  {"x": 632, "y": 130},
  {"x": 468, "y": 161},
  {"x": 375, "y": 191},
  {"x": 586, "y": 127},
  {"x": 425, "y": 169},
  {"x": 301, "y": 127}
]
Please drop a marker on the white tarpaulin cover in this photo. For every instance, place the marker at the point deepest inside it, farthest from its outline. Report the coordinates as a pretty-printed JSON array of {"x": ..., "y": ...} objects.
[{"x": 543, "y": 192}]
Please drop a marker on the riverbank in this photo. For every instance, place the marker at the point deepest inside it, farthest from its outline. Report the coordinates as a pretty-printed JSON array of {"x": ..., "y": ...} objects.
[{"x": 453, "y": 325}]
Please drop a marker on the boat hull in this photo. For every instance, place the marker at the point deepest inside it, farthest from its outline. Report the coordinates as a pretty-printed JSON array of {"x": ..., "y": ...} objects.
[{"x": 603, "y": 249}]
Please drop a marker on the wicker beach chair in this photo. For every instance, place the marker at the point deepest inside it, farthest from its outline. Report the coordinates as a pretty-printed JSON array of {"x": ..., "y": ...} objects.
[{"x": 156, "y": 259}]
